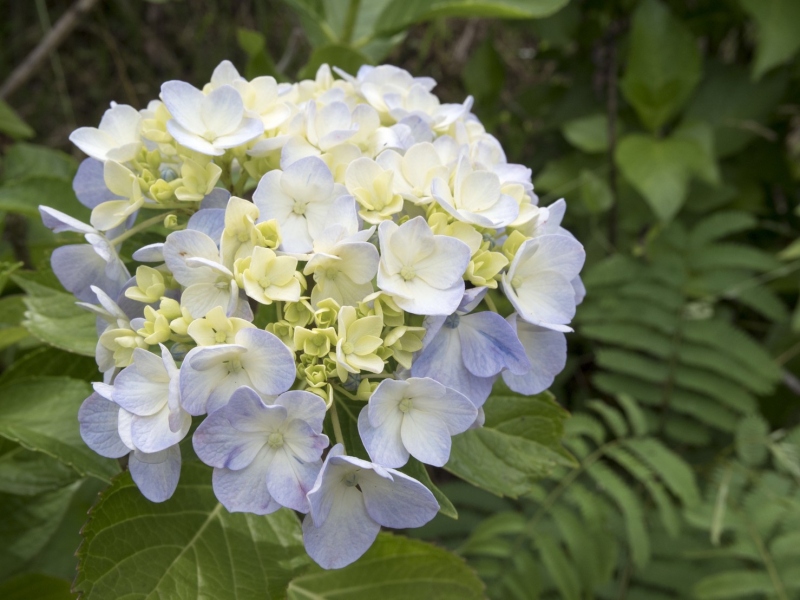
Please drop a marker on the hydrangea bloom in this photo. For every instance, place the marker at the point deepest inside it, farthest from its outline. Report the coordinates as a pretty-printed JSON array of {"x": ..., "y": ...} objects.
[{"x": 323, "y": 243}]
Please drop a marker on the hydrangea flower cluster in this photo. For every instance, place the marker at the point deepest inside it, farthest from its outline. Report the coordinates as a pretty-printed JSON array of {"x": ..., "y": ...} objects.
[{"x": 335, "y": 238}]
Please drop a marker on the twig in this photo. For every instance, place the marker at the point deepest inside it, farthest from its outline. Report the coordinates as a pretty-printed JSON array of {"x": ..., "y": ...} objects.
[
  {"x": 291, "y": 48},
  {"x": 55, "y": 63},
  {"x": 464, "y": 43},
  {"x": 50, "y": 42},
  {"x": 612, "y": 107},
  {"x": 350, "y": 21},
  {"x": 791, "y": 382}
]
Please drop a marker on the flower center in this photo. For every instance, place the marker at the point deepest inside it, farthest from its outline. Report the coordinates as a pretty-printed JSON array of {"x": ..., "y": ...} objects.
[
  {"x": 331, "y": 273},
  {"x": 350, "y": 479},
  {"x": 243, "y": 236},
  {"x": 220, "y": 337},
  {"x": 452, "y": 321},
  {"x": 299, "y": 208},
  {"x": 265, "y": 282},
  {"x": 234, "y": 365},
  {"x": 275, "y": 440},
  {"x": 347, "y": 348},
  {"x": 405, "y": 405},
  {"x": 222, "y": 284},
  {"x": 516, "y": 282},
  {"x": 319, "y": 340},
  {"x": 407, "y": 273},
  {"x": 210, "y": 136}
]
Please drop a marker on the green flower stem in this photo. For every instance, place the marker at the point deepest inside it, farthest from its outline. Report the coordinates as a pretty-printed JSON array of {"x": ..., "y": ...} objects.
[
  {"x": 350, "y": 21},
  {"x": 141, "y": 226},
  {"x": 337, "y": 427}
]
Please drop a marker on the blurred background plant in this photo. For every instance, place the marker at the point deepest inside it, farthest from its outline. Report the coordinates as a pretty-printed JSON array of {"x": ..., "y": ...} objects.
[{"x": 671, "y": 127}]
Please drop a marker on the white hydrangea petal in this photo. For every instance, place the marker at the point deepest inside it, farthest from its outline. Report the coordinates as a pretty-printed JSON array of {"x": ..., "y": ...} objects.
[
  {"x": 154, "y": 434},
  {"x": 425, "y": 300},
  {"x": 426, "y": 437},
  {"x": 454, "y": 409},
  {"x": 191, "y": 140},
  {"x": 189, "y": 243},
  {"x": 248, "y": 131},
  {"x": 445, "y": 266},
  {"x": 221, "y": 111},
  {"x": 184, "y": 102},
  {"x": 92, "y": 142},
  {"x": 307, "y": 178},
  {"x": 143, "y": 387}
]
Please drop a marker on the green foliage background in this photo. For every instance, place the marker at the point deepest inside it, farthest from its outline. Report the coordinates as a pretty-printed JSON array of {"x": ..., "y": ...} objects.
[{"x": 672, "y": 128}]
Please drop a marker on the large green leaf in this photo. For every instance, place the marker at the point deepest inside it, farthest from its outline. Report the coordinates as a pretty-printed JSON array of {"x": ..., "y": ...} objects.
[
  {"x": 402, "y": 13},
  {"x": 663, "y": 64},
  {"x": 733, "y": 584},
  {"x": 45, "y": 360},
  {"x": 42, "y": 414},
  {"x": 186, "y": 547},
  {"x": 734, "y": 106},
  {"x": 35, "y": 585},
  {"x": 519, "y": 444},
  {"x": 778, "y": 23},
  {"x": 395, "y": 568},
  {"x": 28, "y": 524},
  {"x": 12, "y": 125},
  {"x": 54, "y": 318},
  {"x": 659, "y": 169},
  {"x": 12, "y": 311},
  {"x": 589, "y": 133},
  {"x": 336, "y": 55},
  {"x": 26, "y": 472},
  {"x": 417, "y": 470}
]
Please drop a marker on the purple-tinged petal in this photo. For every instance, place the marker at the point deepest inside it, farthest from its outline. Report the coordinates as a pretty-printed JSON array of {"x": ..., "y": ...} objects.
[
  {"x": 547, "y": 351},
  {"x": 441, "y": 360},
  {"x": 219, "y": 444},
  {"x": 157, "y": 474},
  {"x": 78, "y": 268},
  {"x": 289, "y": 480},
  {"x": 99, "y": 423},
  {"x": 268, "y": 362},
  {"x": 89, "y": 184},
  {"x": 210, "y": 221},
  {"x": 304, "y": 406},
  {"x": 246, "y": 490},
  {"x": 400, "y": 503},
  {"x": 60, "y": 222},
  {"x": 384, "y": 444},
  {"x": 472, "y": 297},
  {"x": 489, "y": 345},
  {"x": 150, "y": 253},
  {"x": 216, "y": 198}
]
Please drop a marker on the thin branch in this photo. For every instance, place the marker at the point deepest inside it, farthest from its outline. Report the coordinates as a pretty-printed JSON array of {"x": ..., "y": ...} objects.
[{"x": 49, "y": 42}]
